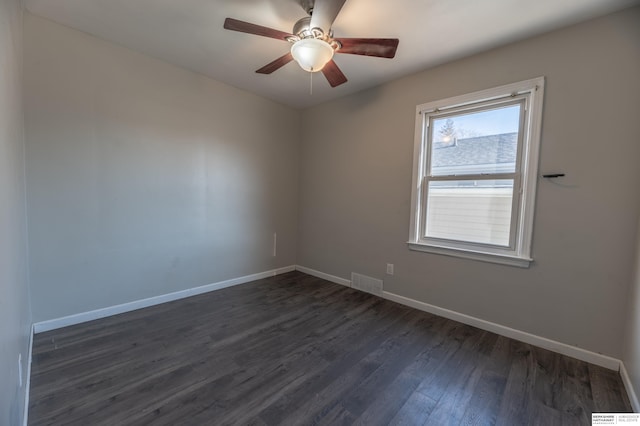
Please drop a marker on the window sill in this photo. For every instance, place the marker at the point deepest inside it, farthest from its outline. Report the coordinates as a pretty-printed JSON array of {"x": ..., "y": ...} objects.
[{"x": 502, "y": 259}]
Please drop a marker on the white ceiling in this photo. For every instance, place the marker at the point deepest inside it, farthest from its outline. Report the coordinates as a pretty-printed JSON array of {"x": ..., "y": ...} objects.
[{"x": 189, "y": 33}]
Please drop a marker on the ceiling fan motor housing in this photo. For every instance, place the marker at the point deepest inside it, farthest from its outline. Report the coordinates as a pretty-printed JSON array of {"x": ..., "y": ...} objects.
[
  {"x": 302, "y": 30},
  {"x": 302, "y": 26}
]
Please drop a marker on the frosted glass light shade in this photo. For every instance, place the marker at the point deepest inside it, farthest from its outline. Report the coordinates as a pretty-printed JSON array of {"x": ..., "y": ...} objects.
[{"x": 311, "y": 54}]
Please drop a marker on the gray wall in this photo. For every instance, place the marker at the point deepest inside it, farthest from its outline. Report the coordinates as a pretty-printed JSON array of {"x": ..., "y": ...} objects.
[
  {"x": 631, "y": 355},
  {"x": 355, "y": 186},
  {"x": 15, "y": 315},
  {"x": 143, "y": 178}
]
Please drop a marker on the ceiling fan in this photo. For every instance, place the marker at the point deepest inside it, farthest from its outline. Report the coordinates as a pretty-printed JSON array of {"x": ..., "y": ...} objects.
[{"x": 313, "y": 44}]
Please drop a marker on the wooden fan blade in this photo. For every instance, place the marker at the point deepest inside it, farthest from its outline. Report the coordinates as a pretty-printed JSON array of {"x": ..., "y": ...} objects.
[
  {"x": 249, "y": 28},
  {"x": 324, "y": 13},
  {"x": 275, "y": 65},
  {"x": 379, "y": 47},
  {"x": 334, "y": 76}
]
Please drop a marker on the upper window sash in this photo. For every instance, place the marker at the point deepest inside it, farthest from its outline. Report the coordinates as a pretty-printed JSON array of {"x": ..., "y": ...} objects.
[
  {"x": 474, "y": 107},
  {"x": 469, "y": 102}
]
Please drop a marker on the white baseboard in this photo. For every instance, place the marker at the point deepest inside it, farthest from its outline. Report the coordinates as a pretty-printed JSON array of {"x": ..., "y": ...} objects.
[
  {"x": 324, "y": 276},
  {"x": 552, "y": 345},
  {"x": 74, "y": 319},
  {"x": 27, "y": 390},
  {"x": 522, "y": 336},
  {"x": 633, "y": 397}
]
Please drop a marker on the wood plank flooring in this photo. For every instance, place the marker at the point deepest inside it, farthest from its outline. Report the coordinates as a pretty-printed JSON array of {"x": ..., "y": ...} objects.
[{"x": 297, "y": 350}]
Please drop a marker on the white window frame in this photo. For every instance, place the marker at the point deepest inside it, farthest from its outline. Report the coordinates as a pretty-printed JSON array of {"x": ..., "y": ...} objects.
[{"x": 518, "y": 253}]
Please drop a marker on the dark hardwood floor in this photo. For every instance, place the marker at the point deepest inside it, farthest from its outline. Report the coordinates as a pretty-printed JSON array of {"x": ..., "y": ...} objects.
[{"x": 297, "y": 350}]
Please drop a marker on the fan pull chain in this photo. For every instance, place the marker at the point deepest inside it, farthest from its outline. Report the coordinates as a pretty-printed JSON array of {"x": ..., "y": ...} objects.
[{"x": 311, "y": 83}]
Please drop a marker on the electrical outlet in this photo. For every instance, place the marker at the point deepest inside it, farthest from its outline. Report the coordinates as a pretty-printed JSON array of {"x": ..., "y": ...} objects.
[{"x": 389, "y": 268}]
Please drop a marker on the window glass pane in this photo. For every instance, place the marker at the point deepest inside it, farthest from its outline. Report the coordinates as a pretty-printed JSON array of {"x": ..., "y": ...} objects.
[
  {"x": 469, "y": 210},
  {"x": 475, "y": 142}
]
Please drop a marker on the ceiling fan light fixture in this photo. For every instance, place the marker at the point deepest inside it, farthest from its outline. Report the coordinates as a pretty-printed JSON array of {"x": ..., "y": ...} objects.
[{"x": 312, "y": 54}]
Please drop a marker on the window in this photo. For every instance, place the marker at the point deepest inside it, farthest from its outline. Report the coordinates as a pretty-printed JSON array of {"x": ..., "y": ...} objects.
[{"x": 474, "y": 174}]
